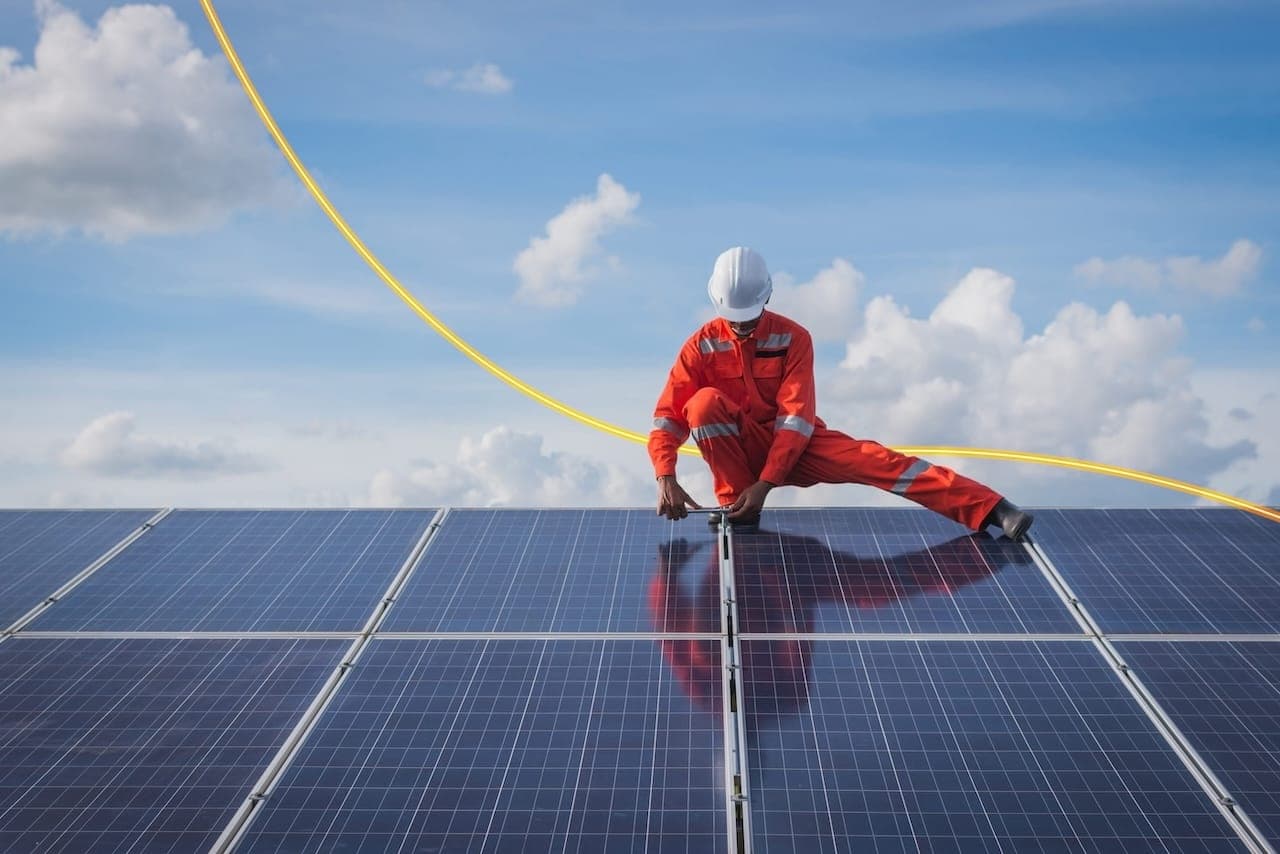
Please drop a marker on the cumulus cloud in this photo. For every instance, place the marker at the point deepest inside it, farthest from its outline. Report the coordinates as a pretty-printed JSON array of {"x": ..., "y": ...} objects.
[
  {"x": 826, "y": 304},
  {"x": 551, "y": 268},
  {"x": 109, "y": 446},
  {"x": 1106, "y": 385},
  {"x": 1221, "y": 277},
  {"x": 506, "y": 467},
  {"x": 483, "y": 78},
  {"x": 125, "y": 129},
  {"x": 1256, "y": 325}
]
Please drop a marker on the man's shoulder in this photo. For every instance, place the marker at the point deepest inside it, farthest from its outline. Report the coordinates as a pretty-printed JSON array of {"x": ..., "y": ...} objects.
[{"x": 782, "y": 323}]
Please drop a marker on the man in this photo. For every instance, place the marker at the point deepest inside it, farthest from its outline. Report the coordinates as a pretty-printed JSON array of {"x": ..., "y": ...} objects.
[{"x": 743, "y": 386}]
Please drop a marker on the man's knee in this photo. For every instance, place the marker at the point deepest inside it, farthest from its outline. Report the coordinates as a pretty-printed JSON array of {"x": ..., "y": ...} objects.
[{"x": 707, "y": 406}]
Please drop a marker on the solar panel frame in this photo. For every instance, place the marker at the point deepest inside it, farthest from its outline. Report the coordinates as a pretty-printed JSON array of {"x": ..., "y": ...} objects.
[
  {"x": 963, "y": 744},
  {"x": 835, "y": 571},
  {"x": 142, "y": 744},
  {"x": 1224, "y": 697},
  {"x": 562, "y": 571},
  {"x": 266, "y": 571},
  {"x": 41, "y": 550},
  {"x": 1156, "y": 571},
  {"x": 473, "y": 744}
]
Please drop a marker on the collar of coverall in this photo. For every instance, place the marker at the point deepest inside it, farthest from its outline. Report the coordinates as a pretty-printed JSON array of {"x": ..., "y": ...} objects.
[{"x": 760, "y": 333}]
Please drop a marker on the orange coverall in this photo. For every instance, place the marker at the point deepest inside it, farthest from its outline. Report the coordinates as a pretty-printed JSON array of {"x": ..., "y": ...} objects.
[{"x": 751, "y": 407}]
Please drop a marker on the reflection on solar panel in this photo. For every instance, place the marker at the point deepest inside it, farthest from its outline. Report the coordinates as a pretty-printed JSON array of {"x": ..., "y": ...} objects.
[
  {"x": 269, "y": 570},
  {"x": 556, "y": 571},
  {"x": 970, "y": 745},
  {"x": 1225, "y": 697},
  {"x": 1165, "y": 570},
  {"x": 888, "y": 570},
  {"x": 40, "y": 550},
  {"x": 110, "y": 744},
  {"x": 896, "y": 683},
  {"x": 506, "y": 745}
]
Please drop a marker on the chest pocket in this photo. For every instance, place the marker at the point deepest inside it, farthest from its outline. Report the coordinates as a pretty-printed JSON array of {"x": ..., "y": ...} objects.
[
  {"x": 726, "y": 366},
  {"x": 767, "y": 369}
]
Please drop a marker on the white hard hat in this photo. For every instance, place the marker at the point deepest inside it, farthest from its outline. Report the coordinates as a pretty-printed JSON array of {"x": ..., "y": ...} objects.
[{"x": 740, "y": 284}]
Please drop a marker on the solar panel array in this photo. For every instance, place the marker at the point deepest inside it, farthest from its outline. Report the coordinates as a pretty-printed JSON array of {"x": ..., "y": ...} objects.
[{"x": 591, "y": 680}]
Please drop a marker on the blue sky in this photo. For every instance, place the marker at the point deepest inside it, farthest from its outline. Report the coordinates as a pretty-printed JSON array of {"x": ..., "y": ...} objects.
[{"x": 183, "y": 326}]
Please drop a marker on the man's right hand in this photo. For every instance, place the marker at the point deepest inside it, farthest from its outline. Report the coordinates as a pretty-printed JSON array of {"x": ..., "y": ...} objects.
[{"x": 672, "y": 499}]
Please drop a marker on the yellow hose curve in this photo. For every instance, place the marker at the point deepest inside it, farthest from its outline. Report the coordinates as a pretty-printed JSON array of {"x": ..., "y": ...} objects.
[{"x": 563, "y": 408}]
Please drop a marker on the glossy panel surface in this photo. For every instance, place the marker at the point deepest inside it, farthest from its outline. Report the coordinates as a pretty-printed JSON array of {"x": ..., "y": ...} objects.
[
  {"x": 1225, "y": 698},
  {"x": 142, "y": 745},
  {"x": 960, "y": 746},
  {"x": 246, "y": 570},
  {"x": 888, "y": 570},
  {"x": 563, "y": 571},
  {"x": 1139, "y": 571},
  {"x": 40, "y": 550},
  {"x": 477, "y": 745}
]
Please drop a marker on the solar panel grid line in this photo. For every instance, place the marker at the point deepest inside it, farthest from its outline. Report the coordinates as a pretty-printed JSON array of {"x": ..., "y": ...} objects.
[
  {"x": 1060, "y": 586},
  {"x": 547, "y": 635},
  {"x": 1213, "y": 785},
  {"x": 239, "y": 823},
  {"x": 192, "y": 635},
  {"x": 925, "y": 637},
  {"x": 80, "y": 577},
  {"x": 733, "y": 705},
  {"x": 1192, "y": 636},
  {"x": 1191, "y": 759}
]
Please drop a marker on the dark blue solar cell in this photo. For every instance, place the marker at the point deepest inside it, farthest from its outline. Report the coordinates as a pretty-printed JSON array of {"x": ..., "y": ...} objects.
[
  {"x": 246, "y": 570},
  {"x": 143, "y": 745},
  {"x": 960, "y": 746},
  {"x": 505, "y": 745},
  {"x": 887, "y": 570},
  {"x": 1225, "y": 697},
  {"x": 561, "y": 571},
  {"x": 1167, "y": 570},
  {"x": 40, "y": 550}
]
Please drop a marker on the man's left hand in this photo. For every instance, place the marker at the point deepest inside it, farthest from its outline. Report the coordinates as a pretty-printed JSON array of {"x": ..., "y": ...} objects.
[{"x": 750, "y": 502}]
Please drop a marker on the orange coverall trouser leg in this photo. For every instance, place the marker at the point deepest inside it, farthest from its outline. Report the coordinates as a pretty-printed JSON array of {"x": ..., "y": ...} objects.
[{"x": 736, "y": 449}]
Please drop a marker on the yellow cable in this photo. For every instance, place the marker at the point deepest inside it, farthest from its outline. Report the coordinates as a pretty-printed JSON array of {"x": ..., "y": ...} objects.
[{"x": 520, "y": 385}]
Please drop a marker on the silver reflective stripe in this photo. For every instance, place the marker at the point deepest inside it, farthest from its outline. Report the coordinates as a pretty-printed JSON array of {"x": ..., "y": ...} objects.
[
  {"x": 776, "y": 341},
  {"x": 909, "y": 476},
  {"x": 714, "y": 345},
  {"x": 710, "y": 431},
  {"x": 671, "y": 427},
  {"x": 794, "y": 422}
]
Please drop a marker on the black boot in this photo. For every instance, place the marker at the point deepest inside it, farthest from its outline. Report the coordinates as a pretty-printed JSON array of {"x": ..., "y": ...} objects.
[{"x": 1007, "y": 517}]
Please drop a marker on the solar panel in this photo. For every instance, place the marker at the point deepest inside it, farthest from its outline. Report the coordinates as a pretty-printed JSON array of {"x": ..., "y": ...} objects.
[
  {"x": 886, "y": 570},
  {"x": 560, "y": 571},
  {"x": 507, "y": 745},
  {"x": 960, "y": 745},
  {"x": 251, "y": 570},
  {"x": 110, "y": 745},
  {"x": 1140, "y": 571},
  {"x": 1225, "y": 698},
  {"x": 40, "y": 550}
]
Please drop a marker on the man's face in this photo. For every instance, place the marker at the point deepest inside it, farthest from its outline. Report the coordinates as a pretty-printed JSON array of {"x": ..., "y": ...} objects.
[{"x": 746, "y": 327}]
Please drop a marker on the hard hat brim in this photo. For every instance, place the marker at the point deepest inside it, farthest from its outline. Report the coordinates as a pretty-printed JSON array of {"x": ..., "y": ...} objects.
[{"x": 740, "y": 315}]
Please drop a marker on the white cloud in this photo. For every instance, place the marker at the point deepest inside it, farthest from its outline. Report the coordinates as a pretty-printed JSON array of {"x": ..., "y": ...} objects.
[
  {"x": 108, "y": 446},
  {"x": 125, "y": 129},
  {"x": 826, "y": 305},
  {"x": 1105, "y": 386},
  {"x": 551, "y": 268},
  {"x": 483, "y": 78},
  {"x": 1256, "y": 325},
  {"x": 506, "y": 467},
  {"x": 1220, "y": 277}
]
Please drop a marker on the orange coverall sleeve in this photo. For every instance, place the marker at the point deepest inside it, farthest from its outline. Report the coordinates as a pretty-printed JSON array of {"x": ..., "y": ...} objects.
[
  {"x": 797, "y": 410},
  {"x": 669, "y": 427}
]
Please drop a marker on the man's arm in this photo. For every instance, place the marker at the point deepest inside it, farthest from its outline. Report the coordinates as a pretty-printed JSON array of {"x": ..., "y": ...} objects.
[{"x": 670, "y": 430}]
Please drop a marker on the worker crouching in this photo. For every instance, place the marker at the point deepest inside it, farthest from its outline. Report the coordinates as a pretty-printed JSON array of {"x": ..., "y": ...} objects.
[{"x": 742, "y": 386}]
